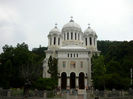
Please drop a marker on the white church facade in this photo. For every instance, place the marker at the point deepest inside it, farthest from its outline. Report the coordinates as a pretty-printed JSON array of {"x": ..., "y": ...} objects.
[{"x": 73, "y": 49}]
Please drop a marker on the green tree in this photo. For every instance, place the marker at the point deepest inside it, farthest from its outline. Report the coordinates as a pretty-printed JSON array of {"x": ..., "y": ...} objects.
[
  {"x": 19, "y": 67},
  {"x": 53, "y": 69},
  {"x": 99, "y": 71},
  {"x": 52, "y": 64}
]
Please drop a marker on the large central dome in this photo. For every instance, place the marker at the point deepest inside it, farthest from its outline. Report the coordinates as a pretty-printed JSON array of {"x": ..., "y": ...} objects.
[{"x": 71, "y": 26}]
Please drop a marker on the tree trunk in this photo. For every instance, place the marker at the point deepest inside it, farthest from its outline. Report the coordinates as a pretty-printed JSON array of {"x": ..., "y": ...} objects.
[{"x": 26, "y": 92}]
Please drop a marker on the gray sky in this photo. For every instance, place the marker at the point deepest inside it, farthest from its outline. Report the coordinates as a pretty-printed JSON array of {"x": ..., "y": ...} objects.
[{"x": 30, "y": 21}]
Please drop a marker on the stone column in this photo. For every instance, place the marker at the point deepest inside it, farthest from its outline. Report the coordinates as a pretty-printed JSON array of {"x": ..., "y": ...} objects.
[
  {"x": 52, "y": 40},
  {"x": 69, "y": 35},
  {"x": 92, "y": 41},
  {"x": 77, "y": 36},
  {"x": 68, "y": 82},
  {"x": 56, "y": 41},
  {"x": 85, "y": 42},
  {"x": 96, "y": 43},
  {"x": 89, "y": 71},
  {"x": 65, "y": 35},
  {"x": 85, "y": 83},
  {"x": 59, "y": 82},
  {"x": 73, "y": 35},
  {"x": 77, "y": 82},
  {"x": 88, "y": 38}
]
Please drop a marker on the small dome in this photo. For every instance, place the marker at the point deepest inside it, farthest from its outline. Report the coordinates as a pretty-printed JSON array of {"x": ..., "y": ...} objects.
[
  {"x": 90, "y": 31},
  {"x": 55, "y": 30},
  {"x": 71, "y": 26}
]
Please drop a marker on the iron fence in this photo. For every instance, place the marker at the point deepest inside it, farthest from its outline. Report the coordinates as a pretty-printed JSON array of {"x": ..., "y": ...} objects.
[{"x": 66, "y": 94}]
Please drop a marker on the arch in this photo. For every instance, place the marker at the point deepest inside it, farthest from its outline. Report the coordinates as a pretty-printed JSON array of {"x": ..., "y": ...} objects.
[
  {"x": 81, "y": 80},
  {"x": 63, "y": 80},
  {"x": 72, "y": 80}
]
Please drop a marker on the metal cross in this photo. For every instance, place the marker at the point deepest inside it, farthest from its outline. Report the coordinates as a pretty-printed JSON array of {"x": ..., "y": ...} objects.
[
  {"x": 56, "y": 25},
  {"x": 89, "y": 25},
  {"x": 71, "y": 17}
]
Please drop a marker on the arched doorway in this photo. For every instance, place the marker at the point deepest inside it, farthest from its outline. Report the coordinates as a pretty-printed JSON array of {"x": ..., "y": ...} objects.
[
  {"x": 81, "y": 81},
  {"x": 63, "y": 80},
  {"x": 72, "y": 80}
]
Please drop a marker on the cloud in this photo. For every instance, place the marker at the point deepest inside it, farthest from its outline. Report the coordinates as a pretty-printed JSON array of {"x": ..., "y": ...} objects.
[
  {"x": 11, "y": 30},
  {"x": 30, "y": 21}
]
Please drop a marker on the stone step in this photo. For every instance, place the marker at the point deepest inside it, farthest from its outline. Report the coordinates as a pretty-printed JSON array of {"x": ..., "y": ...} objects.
[{"x": 81, "y": 91}]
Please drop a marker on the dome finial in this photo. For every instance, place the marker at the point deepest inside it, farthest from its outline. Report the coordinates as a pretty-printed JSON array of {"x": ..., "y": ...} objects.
[
  {"x": 56, "y": 25},
  {"x": 71, "y": 19}
]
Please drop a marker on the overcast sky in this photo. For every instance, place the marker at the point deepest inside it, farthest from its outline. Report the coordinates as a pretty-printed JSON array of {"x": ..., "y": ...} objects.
[{"x": 30, "y": 21}]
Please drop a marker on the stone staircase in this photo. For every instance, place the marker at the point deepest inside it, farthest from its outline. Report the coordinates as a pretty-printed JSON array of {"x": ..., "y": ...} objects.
[{"x": 81, "y": 91}]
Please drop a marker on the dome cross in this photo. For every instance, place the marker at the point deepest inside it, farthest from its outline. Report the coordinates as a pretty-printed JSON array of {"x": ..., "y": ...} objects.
[
  {"x": 89, "y": 25},
  {"x": 71, "y": 19},
  {"x": 56, "y": 25}
]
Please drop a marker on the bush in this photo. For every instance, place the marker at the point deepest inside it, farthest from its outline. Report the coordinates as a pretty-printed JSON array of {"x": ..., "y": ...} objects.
[{"x": 45, "y": 84}]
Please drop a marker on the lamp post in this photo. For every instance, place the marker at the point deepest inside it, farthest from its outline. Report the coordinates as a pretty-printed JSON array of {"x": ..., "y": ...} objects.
[{"x": 131, "y": 75}]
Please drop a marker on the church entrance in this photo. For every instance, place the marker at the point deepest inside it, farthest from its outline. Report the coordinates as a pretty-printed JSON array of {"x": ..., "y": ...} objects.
[
  {"x": 72, "y": 80},
  {"x": 81, "y": 81},
  {"x": 63, "y": 80}
]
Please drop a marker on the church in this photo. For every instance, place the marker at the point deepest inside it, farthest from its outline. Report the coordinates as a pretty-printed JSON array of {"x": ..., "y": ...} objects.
[{"x": 74, "y": 49}]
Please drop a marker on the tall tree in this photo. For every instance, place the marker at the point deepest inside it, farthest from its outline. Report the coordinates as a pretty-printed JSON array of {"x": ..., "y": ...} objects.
[
  {"x": 52, "y": 64},
  {"x": 99, "y": 71}
]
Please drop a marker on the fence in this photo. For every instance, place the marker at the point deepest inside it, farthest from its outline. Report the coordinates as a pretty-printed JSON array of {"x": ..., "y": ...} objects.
[{"x": 66, "y": 94}]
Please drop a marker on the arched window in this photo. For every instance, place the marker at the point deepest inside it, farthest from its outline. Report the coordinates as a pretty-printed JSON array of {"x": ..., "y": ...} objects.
[
  {"x": 75, "y": 36},
  {"x": 71, "y": 35},
  {"x": 67, "y": 35},
  {"x": 50, "y": 41},
  {"x": 81, "y": 64},
  {"x": 71, "y": 55},
  {"x": 81, "y": 80},
  {"x": 74, "y": 54},
  {"x": 73, "y": 64},
  {"x": 86, "y": 41},
  {"x": 54, "y": 40},
  {"x": 90, "y": 41},
  {"x": 72, "y": 80},
  {"x": 64, "y": 64},
  {"x": 63, "y": 80}
]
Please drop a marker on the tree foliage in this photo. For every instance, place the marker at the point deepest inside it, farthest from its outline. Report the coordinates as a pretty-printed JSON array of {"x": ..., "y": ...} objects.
[
  {"x": 52, "y": 64},
  {"x": 118, "y": 57},
  {"x": 18, "y": 65}
]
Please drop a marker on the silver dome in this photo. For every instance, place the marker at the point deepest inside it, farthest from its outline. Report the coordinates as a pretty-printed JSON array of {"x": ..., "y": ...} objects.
[
  {"x": 55, "y": 30},
  {"x": 90, "y": 31},
  {"x": 71, "y": 26}
]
